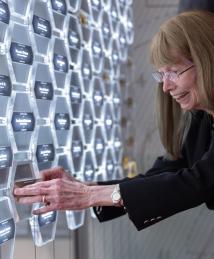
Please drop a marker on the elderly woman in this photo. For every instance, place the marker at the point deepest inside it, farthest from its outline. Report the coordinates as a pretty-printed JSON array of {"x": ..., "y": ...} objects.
[{"x": 183, "y": 53}]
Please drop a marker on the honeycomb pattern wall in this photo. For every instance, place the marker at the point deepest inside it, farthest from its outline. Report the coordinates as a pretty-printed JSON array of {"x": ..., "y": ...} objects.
[{"x": 62, "y": 64}]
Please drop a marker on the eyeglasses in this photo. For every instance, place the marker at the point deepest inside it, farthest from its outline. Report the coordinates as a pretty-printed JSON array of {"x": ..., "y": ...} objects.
[{"x": 171, "y": 75}]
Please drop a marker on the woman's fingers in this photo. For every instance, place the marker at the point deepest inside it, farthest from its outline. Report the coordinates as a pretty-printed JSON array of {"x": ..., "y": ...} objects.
[
  {"x": 29, "y": 200},
  {"x": 52, "y": 173},
  {"x": 34, "y": 189},
  {"x": 44, "y": 209},
  {"x": 56, "y": 194}
]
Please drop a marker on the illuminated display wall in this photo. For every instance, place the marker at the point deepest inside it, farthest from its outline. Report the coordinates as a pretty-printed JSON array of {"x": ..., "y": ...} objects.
[{"x": 60, "y": 76}]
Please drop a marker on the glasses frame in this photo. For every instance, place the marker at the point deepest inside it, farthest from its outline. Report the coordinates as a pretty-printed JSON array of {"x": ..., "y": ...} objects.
[{"x": 171, "y": 75}]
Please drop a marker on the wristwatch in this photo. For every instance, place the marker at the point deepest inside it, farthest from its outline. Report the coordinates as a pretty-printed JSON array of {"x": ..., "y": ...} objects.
[{"x": 116, "y": 196}]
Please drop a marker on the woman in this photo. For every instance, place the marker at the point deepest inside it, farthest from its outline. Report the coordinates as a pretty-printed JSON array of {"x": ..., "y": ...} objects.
[{"x": 183, "y": 53}]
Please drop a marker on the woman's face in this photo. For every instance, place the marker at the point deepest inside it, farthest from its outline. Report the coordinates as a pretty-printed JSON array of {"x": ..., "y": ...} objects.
[{"x": 183, "y": 87}]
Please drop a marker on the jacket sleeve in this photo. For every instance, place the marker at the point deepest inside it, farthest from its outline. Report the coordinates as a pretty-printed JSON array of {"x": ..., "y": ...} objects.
[
  {"x": 161, "y": 165},
  {"x": 162, "y": 195}
]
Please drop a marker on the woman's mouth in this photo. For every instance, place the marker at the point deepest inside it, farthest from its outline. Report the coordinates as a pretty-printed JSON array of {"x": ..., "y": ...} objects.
[{"x": 180, "y": 96}]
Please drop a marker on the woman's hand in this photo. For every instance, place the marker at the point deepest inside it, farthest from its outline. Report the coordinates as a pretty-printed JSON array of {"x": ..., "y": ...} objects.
[
  {"x": 57, "y": 194},
  {"x": 57, "y": 172},
  {"x": 63, "y": 194},
  {"x": 60, "y": 191}
]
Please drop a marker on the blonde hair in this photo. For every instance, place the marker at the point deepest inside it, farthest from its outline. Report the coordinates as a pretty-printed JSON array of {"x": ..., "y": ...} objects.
[{"x": 190, "y": 34}]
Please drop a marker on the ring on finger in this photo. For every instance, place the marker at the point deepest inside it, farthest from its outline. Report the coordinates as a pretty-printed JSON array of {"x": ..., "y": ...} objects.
[{"x": 44, "y": 199}]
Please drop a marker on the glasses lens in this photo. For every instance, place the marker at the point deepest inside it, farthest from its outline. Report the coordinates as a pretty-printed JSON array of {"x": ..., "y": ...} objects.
[
  {"x": 157, "y": 76},
  {"x": 172, "y": 76}
]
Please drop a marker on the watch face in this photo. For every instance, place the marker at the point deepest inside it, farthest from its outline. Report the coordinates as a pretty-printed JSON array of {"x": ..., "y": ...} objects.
[{"x": 116, "y": 196}]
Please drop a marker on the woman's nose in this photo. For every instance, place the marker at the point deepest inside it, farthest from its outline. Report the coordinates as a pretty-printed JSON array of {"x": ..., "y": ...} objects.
[{"x": 168, "y": 85}]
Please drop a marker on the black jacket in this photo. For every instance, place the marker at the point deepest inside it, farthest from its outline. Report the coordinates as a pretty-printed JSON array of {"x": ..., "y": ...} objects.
[{"x": 170, "y": 187}]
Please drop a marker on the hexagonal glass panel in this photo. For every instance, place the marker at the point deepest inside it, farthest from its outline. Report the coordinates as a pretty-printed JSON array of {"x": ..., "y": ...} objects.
[
  {"x": 21, "y": 53},
  {"x": 75, "y": 94},
  {"x": 86, "y": 70},
  {"x": 5, "y": 93},
  {"x": 6, "y": 158},
  {"x": 96, "y": 51},
  {"x": 106, "y": 30},
  {"x": 74, "y": 5},
  {"x": 96, "y": 10},
  {"x": 62, "y": 121},
  {"x": 85, "y": 6},
  {"x": 85, "y": 21},
  {"x": 43, "y": 227},
  {"x": 89, "y": 167},
  {"x": 64, "y": 161},
  {"x": 4, "y": 20},
  {"x": 7, "y": 229},
  {"x": 60, "y": 62},
  {"x": 115, "y": 58},
  {"x": 123, "y": 46},
  {"x": 116, "y": 101},
  {"x": 75, "y": 219},
  {"x": 110, "y": 164},
  {"x": 117, "y": 140},
  {"x": 88, "y": 121},
  {"x": 108, "y": 121},
  {"x": 108, "y": 75},
  {"x": 22, "y": 121},
  {"x": 77, "y": 149},
  {"x": 59, "y": 8},
  {"x": 98, "y": 97},
  {"x": 45, "y": 149},
  {"x": 22, "y": 171},
  {"x": 41, "y": 27},
  {"x": 114, "y": 14},
  {"x": 99, "y": 145},
  {"x": 122, "y": 4},
  {"x": 20, "y": 7},
  {"x": 74, "y": 39},
  {"x": 43, "y": 90},
  {"x": 129, "y": 26}
]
